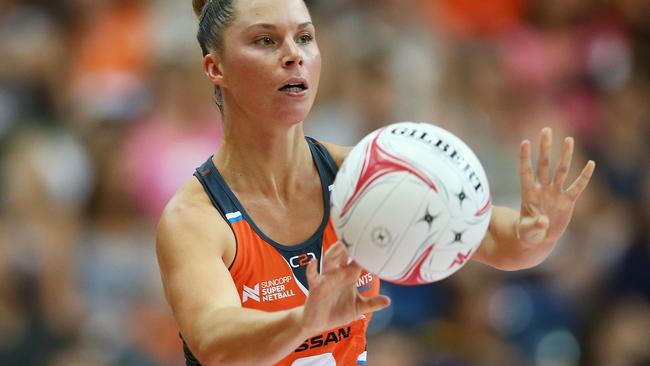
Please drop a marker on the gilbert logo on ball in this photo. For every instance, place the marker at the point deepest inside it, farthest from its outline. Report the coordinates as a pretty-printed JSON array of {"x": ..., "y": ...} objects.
[{"x": 411, "y": 203}]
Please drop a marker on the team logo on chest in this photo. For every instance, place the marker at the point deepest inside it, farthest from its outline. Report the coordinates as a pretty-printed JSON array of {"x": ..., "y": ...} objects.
[
  {"x": 267, "y": 291},
  {"x": 301, "y": 260}
]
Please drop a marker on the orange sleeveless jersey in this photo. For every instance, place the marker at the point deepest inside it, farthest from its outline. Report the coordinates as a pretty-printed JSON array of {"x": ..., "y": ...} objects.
[{"x": 271, "y": 277}]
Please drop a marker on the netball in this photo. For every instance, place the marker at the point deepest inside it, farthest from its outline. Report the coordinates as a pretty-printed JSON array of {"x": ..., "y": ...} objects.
[{"x": 411, "y": 203}]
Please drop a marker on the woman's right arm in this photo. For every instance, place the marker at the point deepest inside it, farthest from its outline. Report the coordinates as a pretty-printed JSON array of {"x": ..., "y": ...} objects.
[
  {"x": 190, "y": 244},
  {"x": 191, "y": 241}
]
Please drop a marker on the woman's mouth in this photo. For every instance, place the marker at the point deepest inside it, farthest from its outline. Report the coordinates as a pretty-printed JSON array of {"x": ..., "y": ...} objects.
[{"x": 294, "y": 87}]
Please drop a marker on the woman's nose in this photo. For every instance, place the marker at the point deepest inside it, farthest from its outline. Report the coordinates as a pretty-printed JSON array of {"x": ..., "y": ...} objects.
[{"x": 293, "y": 56}]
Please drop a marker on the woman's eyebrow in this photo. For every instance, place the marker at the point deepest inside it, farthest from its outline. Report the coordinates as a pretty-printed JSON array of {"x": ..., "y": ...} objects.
[{"x": 273, "y": 26}]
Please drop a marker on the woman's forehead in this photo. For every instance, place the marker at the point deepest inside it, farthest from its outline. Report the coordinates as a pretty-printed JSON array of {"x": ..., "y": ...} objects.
[{"x": 249, "y": 12}]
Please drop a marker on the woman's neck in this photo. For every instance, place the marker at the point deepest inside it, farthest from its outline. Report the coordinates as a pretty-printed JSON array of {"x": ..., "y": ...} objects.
[{"x": 266, "y": 158}]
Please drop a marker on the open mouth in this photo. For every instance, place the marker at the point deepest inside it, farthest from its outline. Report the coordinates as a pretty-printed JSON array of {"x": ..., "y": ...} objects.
[{"x": 294, "y": 88}]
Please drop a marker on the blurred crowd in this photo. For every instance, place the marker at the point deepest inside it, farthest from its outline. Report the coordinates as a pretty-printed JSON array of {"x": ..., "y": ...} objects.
[{"x": 105, "y": 112}]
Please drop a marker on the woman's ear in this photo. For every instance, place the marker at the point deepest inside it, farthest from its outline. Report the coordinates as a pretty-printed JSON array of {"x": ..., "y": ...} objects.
[{"x": 213, "y": 69}]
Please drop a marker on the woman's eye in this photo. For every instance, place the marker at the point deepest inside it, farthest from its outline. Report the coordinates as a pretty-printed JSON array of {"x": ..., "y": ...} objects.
[
  {"x": 305, "y": 38},
  {"x": 264, "y": 41}
]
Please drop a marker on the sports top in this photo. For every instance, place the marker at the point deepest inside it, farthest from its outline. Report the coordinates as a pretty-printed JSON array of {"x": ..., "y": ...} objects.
[{"x": 270, "y": 276}]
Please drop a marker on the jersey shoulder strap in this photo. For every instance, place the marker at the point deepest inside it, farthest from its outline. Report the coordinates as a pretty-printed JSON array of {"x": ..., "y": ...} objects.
[
  {"x": 323, "y": 158},
  {"x": 217, "y": 189},
  {"x": 224, "y": 199}
]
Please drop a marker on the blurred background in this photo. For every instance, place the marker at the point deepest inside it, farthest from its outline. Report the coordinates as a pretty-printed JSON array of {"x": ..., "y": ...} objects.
[{"x": 105, "y": 112}]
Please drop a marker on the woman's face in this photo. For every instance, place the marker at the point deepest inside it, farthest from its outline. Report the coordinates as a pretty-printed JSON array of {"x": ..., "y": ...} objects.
[{"x": 270, "y": 64}]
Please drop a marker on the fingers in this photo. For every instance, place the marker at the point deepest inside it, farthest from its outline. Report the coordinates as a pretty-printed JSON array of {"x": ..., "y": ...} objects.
[
  {"x": 544, "y": 161},
  {"x": 338, "y": 264},
  {"x": 581, "y": 182},
  {"x": 335, "y": 257},
  {"x": 525, "y": 167},
  {"x": 562, "y": 169},
  {"x": 543, "y": 173},
  {"x": 353, "y": 271},
  {"x": 372, "y": 304},
  {"x": 348, "y": 272}
]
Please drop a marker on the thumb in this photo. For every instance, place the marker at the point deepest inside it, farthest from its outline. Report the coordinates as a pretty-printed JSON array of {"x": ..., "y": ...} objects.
[
  {"x": 372, "y": 304},
  {"x": 532, "y": 229}
]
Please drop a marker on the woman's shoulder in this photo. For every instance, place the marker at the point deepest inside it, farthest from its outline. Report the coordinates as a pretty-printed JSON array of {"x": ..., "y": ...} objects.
[
  {"x": 190, "y": 217},
  {"x": 338, "y": 152},
  {"x": 189, "y": 199}
]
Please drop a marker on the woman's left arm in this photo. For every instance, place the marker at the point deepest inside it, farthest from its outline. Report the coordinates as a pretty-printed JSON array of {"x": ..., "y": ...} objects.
[{"x": 522, "y": 239}]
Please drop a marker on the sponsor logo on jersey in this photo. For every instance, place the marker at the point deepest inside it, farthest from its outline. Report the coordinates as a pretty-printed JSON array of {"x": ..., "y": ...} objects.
[
  {"x": 251, "y": 293},
  {"x": 323, "y": 340},
  {"x": 301, "y": 260},
  {"x": 364, "y": 283},
  {"x": 267, "y": 291}
]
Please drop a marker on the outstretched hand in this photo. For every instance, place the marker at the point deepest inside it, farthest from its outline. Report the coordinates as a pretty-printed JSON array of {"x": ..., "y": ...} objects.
[
  {"x": 546, "y": 205},
  {"x": 333, "y": 296}
]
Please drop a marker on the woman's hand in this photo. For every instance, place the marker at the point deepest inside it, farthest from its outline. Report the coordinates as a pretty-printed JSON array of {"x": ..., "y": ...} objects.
[
  {"x": 333, "y": 296},
  {"x": 546, "y": 206},
  {"x": 519, "y": 240}
]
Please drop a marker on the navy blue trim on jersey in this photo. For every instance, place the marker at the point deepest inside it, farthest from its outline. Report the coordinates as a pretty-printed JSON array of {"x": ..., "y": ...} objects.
[
  {"x": 227, "y": 203},
  {"x": 324, "y": 156},
  {"x": 208, "y": 176},
  {"x": 214, "y": 186},
  {"x": 190, "y": 359}
]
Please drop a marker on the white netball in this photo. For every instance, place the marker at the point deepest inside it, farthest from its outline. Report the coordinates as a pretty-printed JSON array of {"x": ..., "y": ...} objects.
[{"x": 411, "y": 203}]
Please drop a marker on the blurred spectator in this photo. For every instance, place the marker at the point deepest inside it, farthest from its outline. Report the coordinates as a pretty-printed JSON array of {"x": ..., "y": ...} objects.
[
  {"x": 111, "y": 47},
  {"x": 466, "y": 18},
  {"x": 46, "y": 186},
  {"x": 29, "y": 82},
  {"x": 117, "y": 266},
  {"x": 181, "y": 132},
  {"x": 621, "y": 337}
]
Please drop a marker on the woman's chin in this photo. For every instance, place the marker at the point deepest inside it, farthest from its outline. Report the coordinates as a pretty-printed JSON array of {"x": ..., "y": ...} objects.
[
  {"x": 290, "y": 118},
  {"x": 290, "y": 122}
]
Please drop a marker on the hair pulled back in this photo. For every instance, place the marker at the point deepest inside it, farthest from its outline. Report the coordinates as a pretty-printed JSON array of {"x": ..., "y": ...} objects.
[{"x": 214, "y": 16}]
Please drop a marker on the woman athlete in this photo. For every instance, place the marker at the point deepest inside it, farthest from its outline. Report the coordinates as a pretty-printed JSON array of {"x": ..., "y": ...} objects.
[{"x": 239, "y": 245}]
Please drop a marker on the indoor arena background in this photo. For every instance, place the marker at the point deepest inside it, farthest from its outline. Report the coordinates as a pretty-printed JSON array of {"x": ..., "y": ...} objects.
[{"x": 104, "y": 112}]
